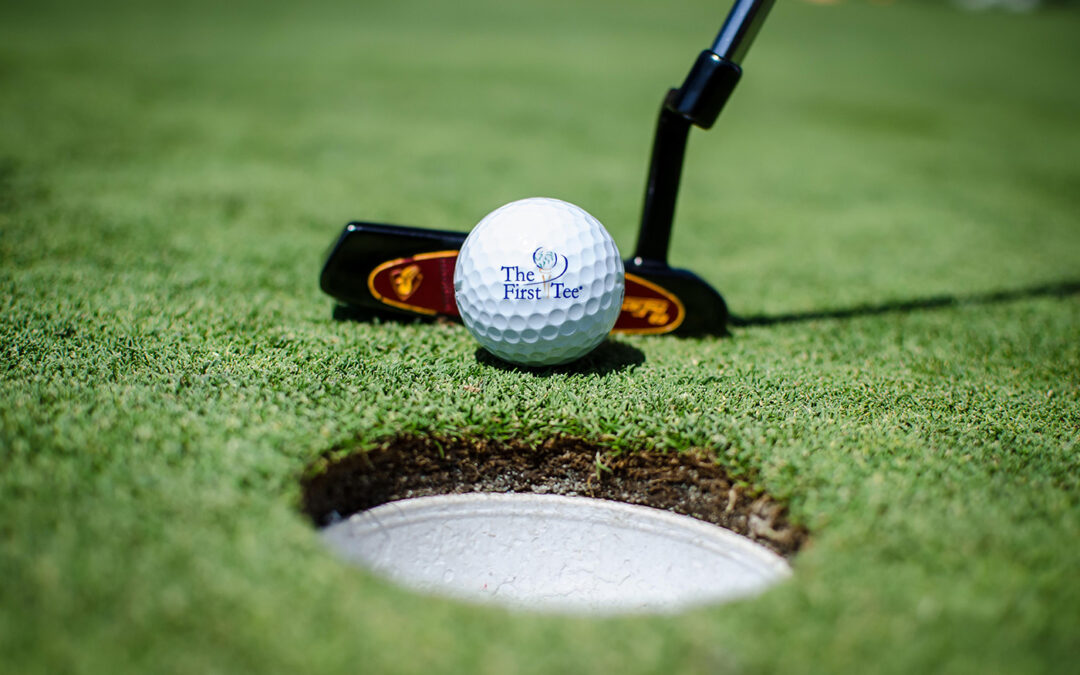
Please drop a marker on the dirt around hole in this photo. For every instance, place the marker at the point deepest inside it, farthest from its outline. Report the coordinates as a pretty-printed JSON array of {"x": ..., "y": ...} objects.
[{"x": 419, "y": 466}]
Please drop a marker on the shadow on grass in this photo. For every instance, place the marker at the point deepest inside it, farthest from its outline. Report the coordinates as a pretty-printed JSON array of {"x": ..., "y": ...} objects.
[
  {"x": 1059, "y": 289},
  {"x": 364, "y": 315},
  {"x": 610, "y": 357}
]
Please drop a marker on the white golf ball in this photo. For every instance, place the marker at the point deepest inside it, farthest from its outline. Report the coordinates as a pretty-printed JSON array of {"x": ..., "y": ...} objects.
[{"x": 539, "y": 282}]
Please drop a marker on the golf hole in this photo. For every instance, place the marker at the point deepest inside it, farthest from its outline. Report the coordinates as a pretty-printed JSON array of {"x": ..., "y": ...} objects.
[
  {"x": 555, "y": 553},
  {"x": 560, "y": 528}
]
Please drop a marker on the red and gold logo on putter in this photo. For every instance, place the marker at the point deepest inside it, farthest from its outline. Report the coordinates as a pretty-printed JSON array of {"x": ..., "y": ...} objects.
[
  {"x": 648, "y": 308},
  {"x": 423, "y": 283},
  {"x": 406, "y": 280}
]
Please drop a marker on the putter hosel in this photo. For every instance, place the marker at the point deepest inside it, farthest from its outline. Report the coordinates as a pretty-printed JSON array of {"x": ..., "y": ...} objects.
[
  {"x": 662, "y": 188},
  {"x": 698, "y": 101}
]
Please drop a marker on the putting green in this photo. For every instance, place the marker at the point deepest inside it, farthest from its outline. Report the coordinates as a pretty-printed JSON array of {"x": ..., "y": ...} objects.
[{"x": 170, "y": 177}]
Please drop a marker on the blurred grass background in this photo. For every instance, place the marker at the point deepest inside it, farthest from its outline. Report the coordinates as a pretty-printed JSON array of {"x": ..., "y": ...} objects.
[{"x": 170, "y": 176}]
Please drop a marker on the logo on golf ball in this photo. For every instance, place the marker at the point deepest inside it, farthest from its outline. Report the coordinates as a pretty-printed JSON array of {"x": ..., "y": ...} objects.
[
  {"x": 545, "y": 259},
  {"x": 542, "y": 283}
]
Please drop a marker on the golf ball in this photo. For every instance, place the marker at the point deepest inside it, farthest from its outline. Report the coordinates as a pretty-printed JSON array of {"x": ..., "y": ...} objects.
[{"x": 539, "y": 282}]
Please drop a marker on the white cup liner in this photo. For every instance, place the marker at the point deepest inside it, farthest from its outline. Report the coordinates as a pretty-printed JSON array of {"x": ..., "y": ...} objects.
[{"x": 554, "y": 553}]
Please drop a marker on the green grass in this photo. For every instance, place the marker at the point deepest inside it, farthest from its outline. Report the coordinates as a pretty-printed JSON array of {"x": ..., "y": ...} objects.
[{"x": 170, "y": 177}]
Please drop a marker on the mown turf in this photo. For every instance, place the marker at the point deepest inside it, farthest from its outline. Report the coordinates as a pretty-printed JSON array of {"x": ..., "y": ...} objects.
[{"x": 170, "y": 176}]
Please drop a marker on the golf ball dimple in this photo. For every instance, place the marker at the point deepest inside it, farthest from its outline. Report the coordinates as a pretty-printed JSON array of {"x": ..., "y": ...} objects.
[{"x": 539, "y": 282}]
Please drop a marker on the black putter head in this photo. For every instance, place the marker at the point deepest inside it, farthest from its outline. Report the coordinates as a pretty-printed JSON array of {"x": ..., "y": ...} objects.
[{"x": 408, "y": 271}]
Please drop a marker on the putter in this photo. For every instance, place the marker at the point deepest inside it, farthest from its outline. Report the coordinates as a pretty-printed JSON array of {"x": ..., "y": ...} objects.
[{"x": 400, "y": 270}]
